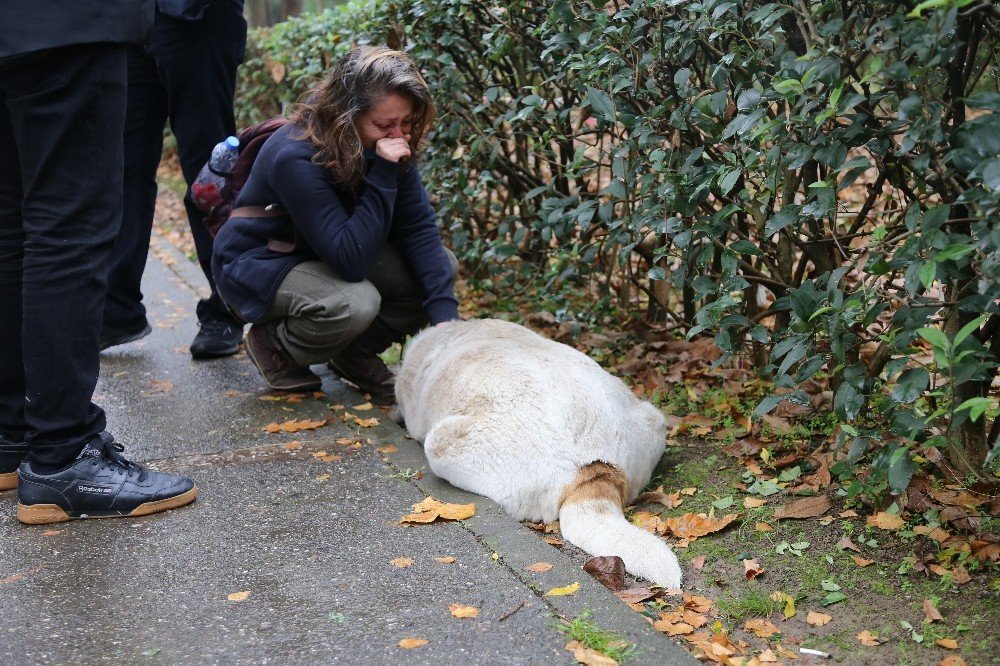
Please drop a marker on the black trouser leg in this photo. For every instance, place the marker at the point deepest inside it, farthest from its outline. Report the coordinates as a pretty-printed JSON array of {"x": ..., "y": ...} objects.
[
  {"x": 197, "y": 63},
  {"x": 145, "y": 118},
  {"x": 64, "y": 114}
]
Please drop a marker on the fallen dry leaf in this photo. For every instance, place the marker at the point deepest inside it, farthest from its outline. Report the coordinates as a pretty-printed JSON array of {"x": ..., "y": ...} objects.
[
  {"x": 886, "y": 521},
  {"x": 850, "y": 513},
  {"x": 762, "y": 527},
  {"x": 239, "y": 596},
  {"x": 846, "y": 544},
  {"x": 752, "y": 569},
  {"x": 691, "y": 525},
  {"x": 563, "y": 591},
  {"x": 639, "y": 594},
  {"x": 697, "y": 603},
  {"x": 588, "y": 656},
  {"x": 291, "y": 446},
  {"x": 363, "y": 408},
  {"x": 862, "y": 562},
  {"x": 431, "y": 509},
  {"x": 947, "y": 643},
  {"x": 538, "y": 567},
  {"x": 761, "y": 627},
  {"x": 366, "y": 423},
  {"x": 960, "y": 575},
  {"x": 952, "y": 660},
  {"x": 788, "y": 600},
  {"x": 410, "y": 643},
  {"x": 867, "y": 638},
  {"x": 688, "y": 491},
  {"x": 51, "y": 532},
  {"x": 387, "y": 449},
  {"x": 753, "y": 502},
  {"x": 931, "y": 613},
  {"x": 768, "y": 657},
  {"x": 815, "y": 619},
  {"x": 698, "y": 563},
  {"x": 552, "y": 541},
  {"x": 609, "y": 570},
  {"x": 463, "y": 611},
  {"x": 445, "y": 560},
  {"x": 401, "y": 562},
  {"x": 323, "y": 477},
  {"x": 671, "y": 501},
  {"x": 807, "y": 507},
  {"x": 294, "y": 426}
]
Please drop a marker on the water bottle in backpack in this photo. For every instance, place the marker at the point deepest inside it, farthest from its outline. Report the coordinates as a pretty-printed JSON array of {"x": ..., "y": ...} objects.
[{"x": 210, "y": 188}]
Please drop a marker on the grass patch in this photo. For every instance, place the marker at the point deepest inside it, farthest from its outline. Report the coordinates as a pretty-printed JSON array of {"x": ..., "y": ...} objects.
[
  {"x": 606, "y": 642},
  {"x": 751, "y": 602}
]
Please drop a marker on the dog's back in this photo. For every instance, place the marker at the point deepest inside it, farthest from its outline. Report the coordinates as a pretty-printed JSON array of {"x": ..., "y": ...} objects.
[{"x": 506, "y": 413}]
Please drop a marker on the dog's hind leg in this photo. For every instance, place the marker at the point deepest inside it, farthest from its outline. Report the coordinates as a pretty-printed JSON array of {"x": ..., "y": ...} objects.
[{"x": 460, "y": 451}]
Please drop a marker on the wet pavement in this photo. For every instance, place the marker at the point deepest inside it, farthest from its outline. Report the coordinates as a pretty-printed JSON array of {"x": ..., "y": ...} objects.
[{"x": 308, "y": 531}]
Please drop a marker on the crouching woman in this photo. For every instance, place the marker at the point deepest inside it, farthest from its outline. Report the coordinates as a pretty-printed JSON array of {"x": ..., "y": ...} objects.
[{"x": 332, "y": 251}]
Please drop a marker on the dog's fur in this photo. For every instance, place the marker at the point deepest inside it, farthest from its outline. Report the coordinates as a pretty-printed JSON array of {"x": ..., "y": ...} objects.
[{"x": 541, "y": 429}]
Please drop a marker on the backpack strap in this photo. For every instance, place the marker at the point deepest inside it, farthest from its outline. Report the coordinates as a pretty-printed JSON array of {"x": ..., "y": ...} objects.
[{"x": 272, "y": 210}]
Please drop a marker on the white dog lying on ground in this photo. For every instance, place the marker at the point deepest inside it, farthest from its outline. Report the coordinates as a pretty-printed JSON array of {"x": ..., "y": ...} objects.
[{"x": 539, "y": 428}]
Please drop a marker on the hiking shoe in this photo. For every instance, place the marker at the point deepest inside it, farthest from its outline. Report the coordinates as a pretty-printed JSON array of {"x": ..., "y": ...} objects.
[
  {"x": 11, "y": 456},
  {"x": 276, "y": 366},
  {"x": 100, "y": 483},
  {"x": 368, "y": 372},
  {"x": 113, "y": 338},
  {"x": 216, "y": 338}
]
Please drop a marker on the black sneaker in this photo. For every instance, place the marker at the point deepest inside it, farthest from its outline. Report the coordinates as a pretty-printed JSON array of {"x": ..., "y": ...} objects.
[
  {"x": 368, "y": 372},
  {"x": 11, "y": 456},
  {"x": 217, "y": 338},
  {"x": 99, "y": 484},
  {"x": 115, "y": 337}
]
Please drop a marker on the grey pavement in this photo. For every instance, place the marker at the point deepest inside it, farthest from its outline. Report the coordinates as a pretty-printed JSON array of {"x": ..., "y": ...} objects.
[{"x": 310, "y": 540}]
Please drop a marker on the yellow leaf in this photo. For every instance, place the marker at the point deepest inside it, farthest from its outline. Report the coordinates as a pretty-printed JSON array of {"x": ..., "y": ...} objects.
[
  {"x": 463, "y": 611},
  {"x": 239, "y": 596},
  {"x": 366, "y": 423},
  {"x": 688, "y": 491},
  {"x": 401, "y": 562},
  {"x": 886, "y": 521},
  {"x": 363, "y": 408},
  {"x": 323, "y": 477},
  {"x": 867, "y": 638},
  {"x": 445, "y": 560},
  {"x": 763, "y": 628},
  {"x": 588, "y": 656},
  {"x": 947, "y": 643},
  {"x": 431, "y": 509},
  {"x": 753, "y": 502},
  {"x": 815, "y": 619},
  {"x": 563, "y": 591},
  {"x": 788, "y": 600},
  {"x": 410, "y": 643},
  {"x": 538, "y": 567}
]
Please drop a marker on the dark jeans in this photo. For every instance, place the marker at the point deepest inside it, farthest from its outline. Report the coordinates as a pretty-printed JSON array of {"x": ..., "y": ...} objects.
[
  {"x": 186, "y": 74},
  {"x": 61, "y": 119}
]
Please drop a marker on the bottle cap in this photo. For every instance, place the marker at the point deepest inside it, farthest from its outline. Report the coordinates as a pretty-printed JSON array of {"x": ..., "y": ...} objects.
[{"x": 232, "y": 143}]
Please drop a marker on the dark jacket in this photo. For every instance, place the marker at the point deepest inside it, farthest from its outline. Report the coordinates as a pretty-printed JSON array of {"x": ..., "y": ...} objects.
[
  {"x": 343, "y": 228},
  {"x": 43, "y": 24}
]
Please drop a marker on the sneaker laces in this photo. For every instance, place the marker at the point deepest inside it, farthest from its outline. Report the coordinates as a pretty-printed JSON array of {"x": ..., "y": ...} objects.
[{"x": 109, "y": 448}]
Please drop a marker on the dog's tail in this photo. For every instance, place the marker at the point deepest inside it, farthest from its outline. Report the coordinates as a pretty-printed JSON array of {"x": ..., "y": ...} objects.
[{"x": 591, "y": 517}]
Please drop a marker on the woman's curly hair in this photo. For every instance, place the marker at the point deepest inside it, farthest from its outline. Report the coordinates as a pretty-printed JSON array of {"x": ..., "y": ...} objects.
[{"x": 363, "y": 77}]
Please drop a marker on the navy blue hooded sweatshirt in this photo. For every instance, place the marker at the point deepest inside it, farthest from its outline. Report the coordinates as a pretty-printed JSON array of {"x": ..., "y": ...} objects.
[{"x": 341, "y": 227}]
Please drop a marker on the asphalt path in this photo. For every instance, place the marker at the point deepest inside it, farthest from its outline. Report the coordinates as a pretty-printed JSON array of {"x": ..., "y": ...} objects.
[{"x": 288, "y": 554}]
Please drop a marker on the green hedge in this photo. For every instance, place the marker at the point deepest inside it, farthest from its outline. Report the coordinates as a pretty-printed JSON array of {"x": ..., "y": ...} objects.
[{"x": 815, "y": 184}]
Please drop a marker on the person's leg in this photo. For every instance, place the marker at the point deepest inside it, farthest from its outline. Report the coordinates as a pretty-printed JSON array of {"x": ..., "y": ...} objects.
[
  {"x": 145, "y": 117},
  {"x": 198, "y": 62},
  {"x": 401, "y": 314},
  {"x": 12, "y": 424},
  {"x": 314, "y": 313},
  {"x": 67, "y": 113}
]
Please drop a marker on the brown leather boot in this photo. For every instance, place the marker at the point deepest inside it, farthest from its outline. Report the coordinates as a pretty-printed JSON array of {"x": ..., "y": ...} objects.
[
  {"x": 367, "y": 372},
  {"x": 275, "y": 365}
]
